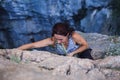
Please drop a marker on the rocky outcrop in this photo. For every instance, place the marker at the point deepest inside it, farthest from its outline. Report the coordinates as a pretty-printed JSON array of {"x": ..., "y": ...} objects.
[
  {"x": 25, "y": 21},
  {"x": 41, "y": 65}
]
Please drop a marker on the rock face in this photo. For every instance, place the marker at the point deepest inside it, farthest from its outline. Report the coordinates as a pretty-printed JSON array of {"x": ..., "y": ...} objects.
[
  {"x": 41, "y": 65},
  {"x": 25, "y": 21}
]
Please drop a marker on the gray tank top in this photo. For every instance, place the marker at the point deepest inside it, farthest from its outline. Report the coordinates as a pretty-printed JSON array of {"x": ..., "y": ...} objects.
[{"x": 60, "y": 49}]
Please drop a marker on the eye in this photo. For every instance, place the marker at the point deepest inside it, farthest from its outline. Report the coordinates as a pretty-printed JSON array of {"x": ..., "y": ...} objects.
[{"x": 60, "y": 39}]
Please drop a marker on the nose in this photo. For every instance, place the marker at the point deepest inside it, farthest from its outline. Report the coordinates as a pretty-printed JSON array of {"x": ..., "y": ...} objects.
[{"x": 59, "y": 41}]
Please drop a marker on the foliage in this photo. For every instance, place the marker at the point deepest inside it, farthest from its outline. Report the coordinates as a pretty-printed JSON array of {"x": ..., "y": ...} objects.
[
  {"x": 15, "y": 58},
  {"x": 114, "y": 48},
  {"x": 113, "y": 51},
  {"x": 115, "y": 6}
]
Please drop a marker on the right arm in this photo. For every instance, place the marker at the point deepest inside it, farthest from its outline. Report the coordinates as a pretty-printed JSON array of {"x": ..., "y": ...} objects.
[{"x": 38, "y": 44}]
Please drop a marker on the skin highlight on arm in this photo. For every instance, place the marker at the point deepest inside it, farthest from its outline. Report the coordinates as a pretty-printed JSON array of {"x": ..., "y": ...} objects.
[
  {"x": 37, "y": 44},
  {"x": 81, "y": 41}
]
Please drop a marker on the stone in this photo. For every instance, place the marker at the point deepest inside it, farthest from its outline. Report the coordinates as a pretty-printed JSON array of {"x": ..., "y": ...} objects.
[{"x": 42, "y": 65}]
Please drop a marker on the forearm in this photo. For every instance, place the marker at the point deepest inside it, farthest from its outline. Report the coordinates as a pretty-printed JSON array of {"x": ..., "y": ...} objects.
[
  {"x": 26, "y": 46},
  {"x": 79, "y": 50}
]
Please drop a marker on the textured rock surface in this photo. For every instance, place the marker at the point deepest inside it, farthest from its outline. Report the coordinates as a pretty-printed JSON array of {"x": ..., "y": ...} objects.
[
  {"x": 25, "y": 21},
  {"x": 41, "y": 65}
]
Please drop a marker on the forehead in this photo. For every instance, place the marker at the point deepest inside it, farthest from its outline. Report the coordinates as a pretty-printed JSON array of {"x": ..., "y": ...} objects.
[{"x": 58, "y": 36}]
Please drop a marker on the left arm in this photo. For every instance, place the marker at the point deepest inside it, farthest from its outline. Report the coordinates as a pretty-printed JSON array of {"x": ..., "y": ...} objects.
[{"x": 81, "y": 41}]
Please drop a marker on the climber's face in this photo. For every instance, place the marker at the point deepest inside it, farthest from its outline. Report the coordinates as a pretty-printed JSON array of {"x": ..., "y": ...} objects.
[{"x": 60, "y": 38}]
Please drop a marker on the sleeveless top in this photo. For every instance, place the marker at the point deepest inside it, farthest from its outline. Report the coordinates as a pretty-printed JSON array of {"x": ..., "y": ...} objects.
[{"x": 61, "y": 50}]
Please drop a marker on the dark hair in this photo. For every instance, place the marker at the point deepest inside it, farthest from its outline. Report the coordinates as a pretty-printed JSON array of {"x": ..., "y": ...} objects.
[{"x": 62, "y": 29}]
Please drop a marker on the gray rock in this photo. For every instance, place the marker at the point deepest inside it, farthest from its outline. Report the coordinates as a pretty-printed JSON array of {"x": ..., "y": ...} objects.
[{"x": 42, "y": 65}]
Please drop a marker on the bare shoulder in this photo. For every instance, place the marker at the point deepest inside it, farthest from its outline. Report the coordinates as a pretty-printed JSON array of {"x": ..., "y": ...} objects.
[
  {"x": 50, "y": 40},
  {"x": 76, "y": 35},
  {"x": 78, "y": 38}
]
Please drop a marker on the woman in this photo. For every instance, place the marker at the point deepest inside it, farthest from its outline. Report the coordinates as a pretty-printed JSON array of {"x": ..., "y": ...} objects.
[{"x": 65, "y": 41}]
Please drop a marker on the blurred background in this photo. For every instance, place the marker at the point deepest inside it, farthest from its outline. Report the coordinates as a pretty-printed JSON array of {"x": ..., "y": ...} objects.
[{"x": 26, "y": 21}]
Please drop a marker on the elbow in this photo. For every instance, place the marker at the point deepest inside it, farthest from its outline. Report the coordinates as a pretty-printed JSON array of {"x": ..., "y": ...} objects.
[{"x": 86, "y": 46}]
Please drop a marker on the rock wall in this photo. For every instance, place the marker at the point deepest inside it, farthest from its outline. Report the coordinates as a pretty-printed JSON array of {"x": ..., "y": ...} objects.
[
  {"x": 41, "y": 65},
  {"x": 25, "y": 21}
]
